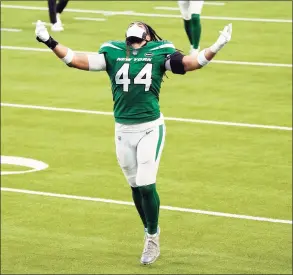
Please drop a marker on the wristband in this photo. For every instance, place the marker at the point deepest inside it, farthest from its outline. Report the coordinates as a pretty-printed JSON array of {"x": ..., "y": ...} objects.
[
  {"x": 201, "y": 59},
  {"x": 68, "y": 57},
  {"x": 51, "y": 43},
  {"x": 216, "y": 47}
]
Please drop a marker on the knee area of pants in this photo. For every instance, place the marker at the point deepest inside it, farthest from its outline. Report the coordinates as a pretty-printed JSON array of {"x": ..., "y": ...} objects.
[
  {"x": 186, "y": 16},
  {"x": 131, "y": 180},
  {"x": 126, "y": 168}
]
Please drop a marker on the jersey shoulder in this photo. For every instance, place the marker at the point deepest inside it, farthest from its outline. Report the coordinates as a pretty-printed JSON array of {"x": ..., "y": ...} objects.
[
  {"x": 161, "y": 47},
  {"x": 112, "y": 46}
]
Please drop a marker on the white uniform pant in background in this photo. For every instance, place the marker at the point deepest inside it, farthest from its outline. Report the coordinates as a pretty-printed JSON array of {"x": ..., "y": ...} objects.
[
  {"x": 187, "y": 8},
  {"x": 138, "y": 149}
]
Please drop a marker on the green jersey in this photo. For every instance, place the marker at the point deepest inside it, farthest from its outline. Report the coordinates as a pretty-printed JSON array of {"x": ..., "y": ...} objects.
[{"x": 136, "y": 76}]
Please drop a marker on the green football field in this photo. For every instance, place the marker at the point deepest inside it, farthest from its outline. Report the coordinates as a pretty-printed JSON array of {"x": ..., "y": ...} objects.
[{"x": 225, "y": 178}]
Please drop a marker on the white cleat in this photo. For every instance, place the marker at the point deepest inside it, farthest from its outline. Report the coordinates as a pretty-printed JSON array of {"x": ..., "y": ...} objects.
[
  {"x": 151, "y": 250},
  {"x": 57, "y": 27}
]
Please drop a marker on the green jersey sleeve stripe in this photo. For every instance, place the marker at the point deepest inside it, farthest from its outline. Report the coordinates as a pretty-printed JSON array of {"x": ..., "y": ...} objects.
[
  {"x": 163, "y": 46},
  {"x": 110, "y": 45},
  {"x": 159, "y": 140}
]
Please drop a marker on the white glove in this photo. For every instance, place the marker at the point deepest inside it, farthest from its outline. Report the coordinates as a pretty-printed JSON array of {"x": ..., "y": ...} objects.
[
  {"x": 41, "y": 32},
  {"x": 224, "y": 38}
]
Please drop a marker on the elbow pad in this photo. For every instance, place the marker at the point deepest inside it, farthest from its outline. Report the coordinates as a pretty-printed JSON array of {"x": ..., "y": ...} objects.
[
  {"x": 174, "y": 63},
  {"x": 97, "y": 62},
  {"x": 201, "y": 58}
]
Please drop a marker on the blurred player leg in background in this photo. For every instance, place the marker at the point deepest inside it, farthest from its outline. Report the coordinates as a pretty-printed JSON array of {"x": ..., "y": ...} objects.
[
  {"x": 55, "y": 12},
  {"x": 60, "y": 7},
  {"x": 190, "y": 11}
]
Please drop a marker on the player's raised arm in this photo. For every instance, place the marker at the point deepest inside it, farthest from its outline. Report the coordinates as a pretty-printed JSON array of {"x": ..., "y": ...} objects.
[
  {"x": 179, "y": 64},
  {"x": 88, "y": 62}
]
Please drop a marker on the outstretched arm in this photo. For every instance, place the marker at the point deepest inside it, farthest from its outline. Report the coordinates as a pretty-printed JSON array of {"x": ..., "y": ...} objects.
[
  {"x": 88, "y": 62},
  {"x": 205, "y": 56},
  {"x": 180, "y": 64}
]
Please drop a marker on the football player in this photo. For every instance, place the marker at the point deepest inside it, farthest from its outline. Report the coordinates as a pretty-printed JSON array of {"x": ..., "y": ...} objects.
[
  {"x": 55, "y": 12},
  {"x": 190, "y": 11},
  {"x": 136, "y": 68}
]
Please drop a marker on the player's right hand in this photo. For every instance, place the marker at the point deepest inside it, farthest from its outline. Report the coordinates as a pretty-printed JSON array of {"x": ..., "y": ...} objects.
[{"x": 41, "y": 32}]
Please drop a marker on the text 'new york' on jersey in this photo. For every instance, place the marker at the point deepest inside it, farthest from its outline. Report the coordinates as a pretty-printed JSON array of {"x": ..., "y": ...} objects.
[{"x": 136, "y": 79}]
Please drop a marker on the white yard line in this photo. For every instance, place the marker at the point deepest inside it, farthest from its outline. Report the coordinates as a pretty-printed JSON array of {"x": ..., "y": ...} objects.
[
  {"x": 16, "y": 48},
  {"x": 89, "y": 19},
  {"x": 214, "y": 3},
  {"x": 25, "y": 49},
  {"x": 167, "y": 8},
  {"x": 131, "y": 13},
  {"x": 45, "y": 23},
  {"x": 177, "y": 8},
  {"x": 213, "y": 61},
  {"x": 190, "y": 120},
  {"x": 10, "y": 30},
  {"x": 171, "y": 208},
  {"x": 252, "y": 63},
  {"x": 247, "y": 19}
]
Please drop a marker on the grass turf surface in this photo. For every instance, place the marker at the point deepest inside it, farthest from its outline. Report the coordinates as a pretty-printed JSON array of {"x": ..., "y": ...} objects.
[{"x": 217, "y": 168}]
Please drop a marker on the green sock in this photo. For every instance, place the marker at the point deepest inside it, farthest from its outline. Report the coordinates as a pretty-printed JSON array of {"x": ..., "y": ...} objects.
[
  {"x": 137, "y": 198},
  {"x": 150, "y": 205},
  {"x": 195, "y": 30},
  {"x": 187, "y": 27},
  {"x": 158, "y": 201}
]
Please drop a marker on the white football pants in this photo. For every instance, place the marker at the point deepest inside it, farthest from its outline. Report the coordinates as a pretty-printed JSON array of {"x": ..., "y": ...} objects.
[
  {"x": 187, "y": 8},
  {"x": 138, "y": 149}
]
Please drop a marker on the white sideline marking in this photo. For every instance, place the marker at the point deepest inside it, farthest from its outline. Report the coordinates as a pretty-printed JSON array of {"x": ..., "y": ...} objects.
[
  {"x": 171, "y": 208},
  {"x": 89, "y": 19},
  {"x": 213, "y": 61},
  {"x": 10, "y": 30},
  {"x": 284, "y": 128},
  {"x": 131, "y": 13}
]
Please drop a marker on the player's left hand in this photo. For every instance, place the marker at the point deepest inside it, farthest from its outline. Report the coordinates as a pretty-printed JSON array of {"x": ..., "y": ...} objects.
[
  {"x": 223, "y": 39},
  {"x": 225, "y": 35},
  {"x": 41, "y": 32}
]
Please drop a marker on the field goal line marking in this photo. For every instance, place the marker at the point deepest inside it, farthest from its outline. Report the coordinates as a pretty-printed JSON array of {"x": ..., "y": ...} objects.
[
  {"x": 213, "y": 61},
  {"x": 166, "y": 118},
  {"x": 171, "y": 208},
  {"x": 131, "y": 13}
]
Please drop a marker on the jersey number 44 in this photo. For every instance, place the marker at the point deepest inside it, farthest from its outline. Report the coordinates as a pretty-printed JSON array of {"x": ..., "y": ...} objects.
[{"x": 144, "y": 77}]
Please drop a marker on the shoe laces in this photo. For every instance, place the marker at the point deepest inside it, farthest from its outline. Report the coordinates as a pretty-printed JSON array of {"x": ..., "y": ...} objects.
[{"x": 150, "y": 247}]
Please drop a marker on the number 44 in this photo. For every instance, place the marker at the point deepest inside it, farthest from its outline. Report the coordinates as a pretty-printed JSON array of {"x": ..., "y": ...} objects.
[{"x": 144, "y": 77}]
